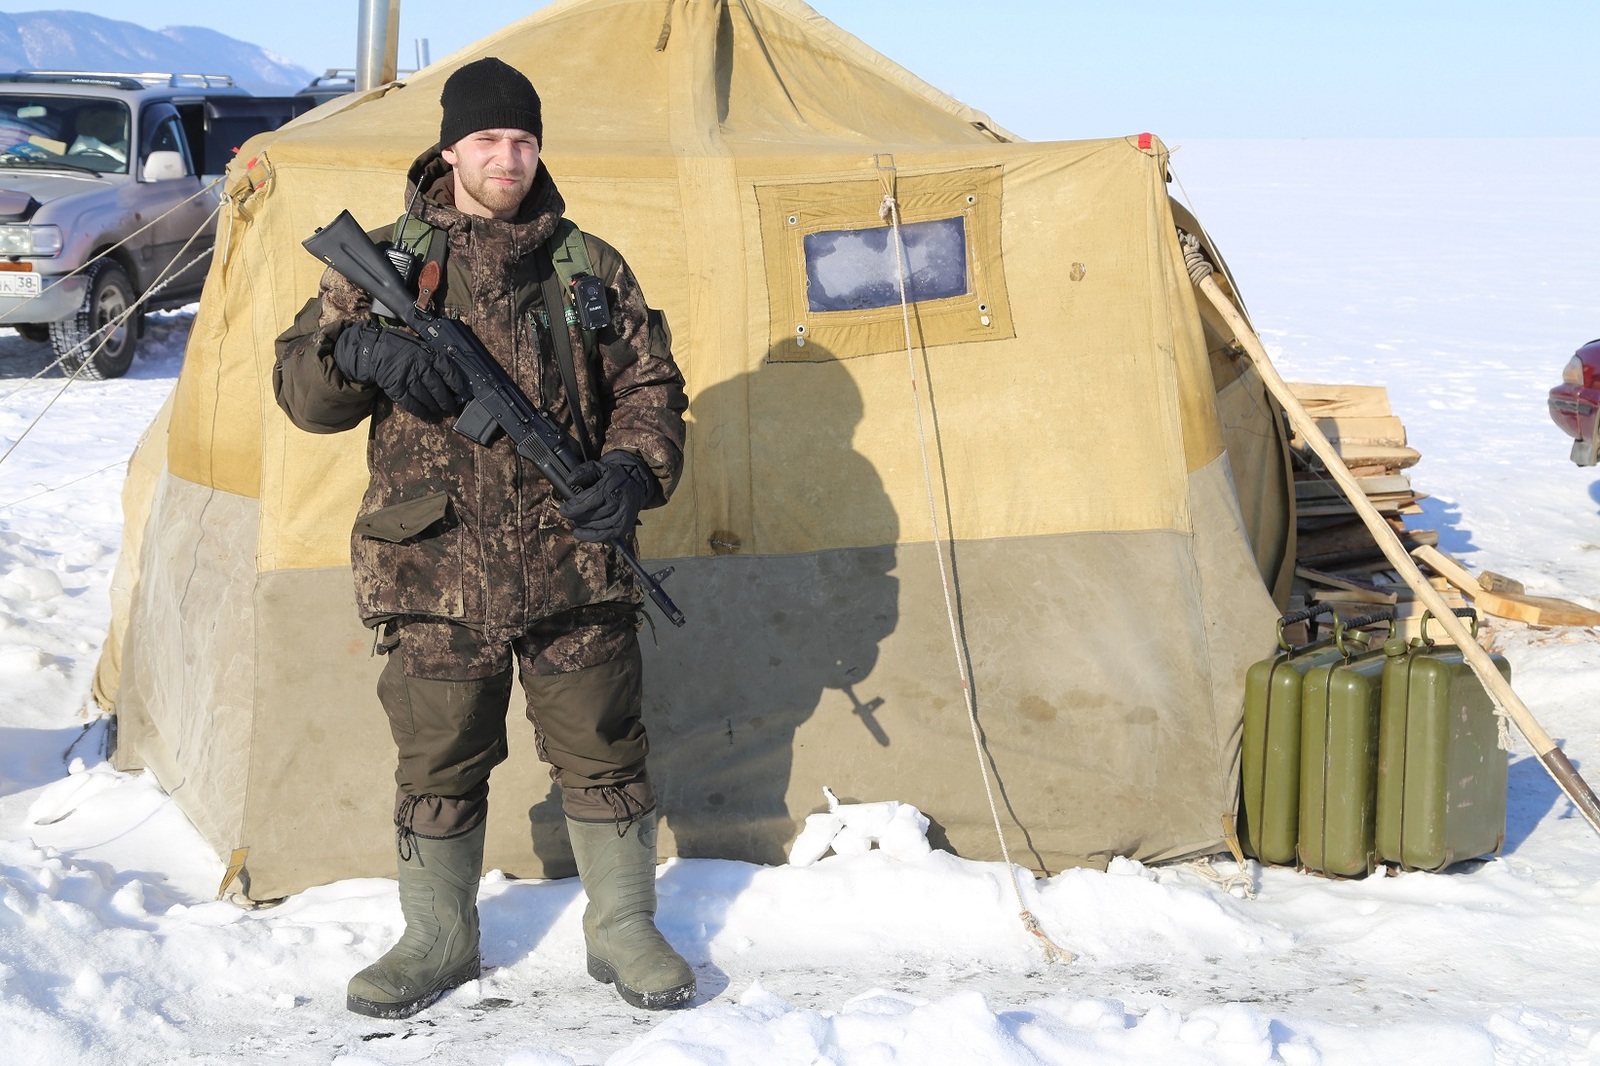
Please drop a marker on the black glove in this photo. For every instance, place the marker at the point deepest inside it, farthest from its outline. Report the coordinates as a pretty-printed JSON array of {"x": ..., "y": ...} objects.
[
  {"x": 609, "y": 495},
  {"x": 409, "y": 372}
]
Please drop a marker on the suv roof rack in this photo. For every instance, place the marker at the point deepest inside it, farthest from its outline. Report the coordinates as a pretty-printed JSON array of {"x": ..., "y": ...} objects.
[
  {"x": 335, "y": 82},
  {"x": 341, "y": 75},
  {"x": 124, "y": 80}
]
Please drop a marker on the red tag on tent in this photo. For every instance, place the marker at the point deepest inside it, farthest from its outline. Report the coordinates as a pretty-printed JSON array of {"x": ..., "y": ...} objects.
[{"x": 1144, "y": 140}]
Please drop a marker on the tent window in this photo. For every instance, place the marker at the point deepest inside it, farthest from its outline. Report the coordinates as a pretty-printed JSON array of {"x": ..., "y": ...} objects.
[
  {"x": 833, "y": 278},
  {"x": 857, "y": 269}
]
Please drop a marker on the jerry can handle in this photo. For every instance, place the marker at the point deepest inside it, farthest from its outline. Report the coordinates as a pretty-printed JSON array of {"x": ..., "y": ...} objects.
[
  {"x": 1304, "y": 614},
  {"x": 1459, "y": 612},
  {"x": 1340, "y": 627}
]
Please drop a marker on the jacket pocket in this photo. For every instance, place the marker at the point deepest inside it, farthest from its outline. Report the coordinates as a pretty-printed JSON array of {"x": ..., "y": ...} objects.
[
  {"x": 408, "y": 559},
  {"x": 400, "y": 522}
]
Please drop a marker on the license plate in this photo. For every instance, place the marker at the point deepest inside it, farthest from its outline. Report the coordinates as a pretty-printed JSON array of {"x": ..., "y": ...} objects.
[{"x": 15, "y": 283}]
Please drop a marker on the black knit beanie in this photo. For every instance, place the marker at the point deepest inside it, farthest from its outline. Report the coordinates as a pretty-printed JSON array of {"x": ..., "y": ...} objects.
[{"x": 488, "y": 95}]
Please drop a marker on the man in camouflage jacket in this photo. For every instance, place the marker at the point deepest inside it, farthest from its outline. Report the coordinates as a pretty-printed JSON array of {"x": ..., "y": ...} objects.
[{"x": 468, "y": 565}]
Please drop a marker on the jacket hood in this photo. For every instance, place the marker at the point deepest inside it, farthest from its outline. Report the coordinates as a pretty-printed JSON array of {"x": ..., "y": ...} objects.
[{"x": 541, "y": 209}]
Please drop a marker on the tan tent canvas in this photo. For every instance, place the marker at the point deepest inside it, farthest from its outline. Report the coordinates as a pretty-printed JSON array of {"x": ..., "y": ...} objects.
[{"x": 1108, "y": 478}]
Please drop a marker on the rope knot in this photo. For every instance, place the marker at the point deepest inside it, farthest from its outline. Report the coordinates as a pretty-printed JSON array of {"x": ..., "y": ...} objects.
[
  {"x": 1053, "y": 952},
  {"x": 1194, "y": 257}
]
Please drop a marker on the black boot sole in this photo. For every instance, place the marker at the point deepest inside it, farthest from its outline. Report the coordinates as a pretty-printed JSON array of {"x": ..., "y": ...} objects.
[
  {"x": 468, "y": 971},
  {"x": 666, "y": 999}
]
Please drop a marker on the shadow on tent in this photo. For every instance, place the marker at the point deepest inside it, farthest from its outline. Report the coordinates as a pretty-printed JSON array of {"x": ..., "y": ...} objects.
[{"x": 795, "y": 625}]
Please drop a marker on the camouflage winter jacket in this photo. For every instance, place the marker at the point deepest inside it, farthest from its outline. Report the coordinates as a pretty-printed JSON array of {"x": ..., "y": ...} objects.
[{"x": 453, "y": 529}]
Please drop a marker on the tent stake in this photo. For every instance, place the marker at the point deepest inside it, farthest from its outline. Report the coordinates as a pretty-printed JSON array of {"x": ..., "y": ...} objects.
[{"x": 1509, "y": 703}]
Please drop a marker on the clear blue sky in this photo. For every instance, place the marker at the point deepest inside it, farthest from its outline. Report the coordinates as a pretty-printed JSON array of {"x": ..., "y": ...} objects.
[{"x": 1088, "y": 68}]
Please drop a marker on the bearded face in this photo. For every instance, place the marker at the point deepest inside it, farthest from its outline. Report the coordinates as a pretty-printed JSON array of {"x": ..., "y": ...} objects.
[{"x": 494, "y": 170}]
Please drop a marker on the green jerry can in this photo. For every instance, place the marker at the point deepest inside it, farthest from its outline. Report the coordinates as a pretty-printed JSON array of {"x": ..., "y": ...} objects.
[
  {"x": 1340, "y": 704},
  {"x": 1269, "y": 756},
  {"x": 1441, "y": 771}
]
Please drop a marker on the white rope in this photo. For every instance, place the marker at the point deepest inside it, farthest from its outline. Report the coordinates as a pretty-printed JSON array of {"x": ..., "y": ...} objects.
[
  {"x": 1240, "y": 878},
  {"x": 64, "y": 484},
  {"x": 165, "y": 278},
  {"x": 890, "y": 211}
]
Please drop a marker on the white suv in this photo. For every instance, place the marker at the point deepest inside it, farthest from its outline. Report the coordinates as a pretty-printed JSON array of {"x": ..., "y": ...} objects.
[{"x": 107, "y": 193}]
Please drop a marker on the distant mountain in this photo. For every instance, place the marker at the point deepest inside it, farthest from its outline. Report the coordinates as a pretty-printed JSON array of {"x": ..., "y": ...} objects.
[{"x": 75, "y": 40}]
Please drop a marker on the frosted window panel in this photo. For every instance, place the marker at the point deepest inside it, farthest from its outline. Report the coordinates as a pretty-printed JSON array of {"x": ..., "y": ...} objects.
[{"x": 854, "y": 269}]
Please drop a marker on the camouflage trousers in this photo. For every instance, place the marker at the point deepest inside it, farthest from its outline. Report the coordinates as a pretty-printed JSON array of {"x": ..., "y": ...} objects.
[{"x": 446, "y": 689}]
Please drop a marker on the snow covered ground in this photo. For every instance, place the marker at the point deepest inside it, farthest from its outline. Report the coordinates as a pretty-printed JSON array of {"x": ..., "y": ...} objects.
[{"x": 1460, "y": 274}]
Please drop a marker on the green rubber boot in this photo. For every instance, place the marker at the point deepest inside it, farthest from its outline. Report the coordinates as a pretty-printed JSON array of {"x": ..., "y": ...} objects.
[
  {"x": 439, "y": 950},
  {"x": 619, "y": 929}
]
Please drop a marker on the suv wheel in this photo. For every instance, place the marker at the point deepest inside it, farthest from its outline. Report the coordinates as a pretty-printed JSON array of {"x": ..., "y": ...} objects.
[{"x": 78, "y": 339}]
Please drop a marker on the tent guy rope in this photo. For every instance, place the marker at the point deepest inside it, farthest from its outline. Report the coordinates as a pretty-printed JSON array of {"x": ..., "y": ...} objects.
[
  {"x": 1506, "y": 701},
  {"x": 92, "y": 260},
  {"x": 105, "y": 332},
  {"x": 119, "y": 464},
  {"x": 1053, "y": 952}
]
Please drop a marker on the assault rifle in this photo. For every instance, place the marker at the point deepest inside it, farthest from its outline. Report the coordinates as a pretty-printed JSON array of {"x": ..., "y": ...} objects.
[{"x": 497, "y": 404}]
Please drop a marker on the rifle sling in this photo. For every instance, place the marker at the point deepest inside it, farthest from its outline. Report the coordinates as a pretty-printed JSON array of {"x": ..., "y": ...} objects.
[{"x": 555, "y": 305}]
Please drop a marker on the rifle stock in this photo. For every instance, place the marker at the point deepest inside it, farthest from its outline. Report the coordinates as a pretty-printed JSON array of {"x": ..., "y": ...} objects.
[{"x": 497, "y": 405}]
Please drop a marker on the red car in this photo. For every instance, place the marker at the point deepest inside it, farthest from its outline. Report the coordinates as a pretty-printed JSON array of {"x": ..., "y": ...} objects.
[{"x": 1575, "y": 403}]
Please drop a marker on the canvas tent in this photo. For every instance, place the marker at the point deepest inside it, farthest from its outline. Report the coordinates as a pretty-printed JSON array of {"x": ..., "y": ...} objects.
[{"x": 1109, "y": 476}]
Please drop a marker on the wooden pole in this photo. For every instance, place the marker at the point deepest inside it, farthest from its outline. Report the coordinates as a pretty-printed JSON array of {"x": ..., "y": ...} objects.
[{"x": 1552, "y": 757}]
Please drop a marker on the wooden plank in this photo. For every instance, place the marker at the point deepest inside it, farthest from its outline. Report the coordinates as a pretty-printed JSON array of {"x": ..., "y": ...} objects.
[
  {"x": 1372, "y": 429},
  {"x": 1320, "y": 595},
  {"x": 1379, "y": 595},
  {"x": 1360, "y": 552},
  {"x": 1348, "y": 433},
  {"x": 1341, "y": 506},
  {"x": 1319, "y": 487},
  {"x": 1360, "y": 455},
  {"x": 1333, "y": 581},
  {"x": 1378, "y": 455},
  {"x": 1344, "y": 536},
  {"x": 1377, "y": 564},
  {"x": 1447, "y": 567},
  {"x": 1320, "y": 537},
  {"x": 1342, "y": 401},
  {"x": 1500, "y": 583},
  {"x": 1536, "y": 610}
]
